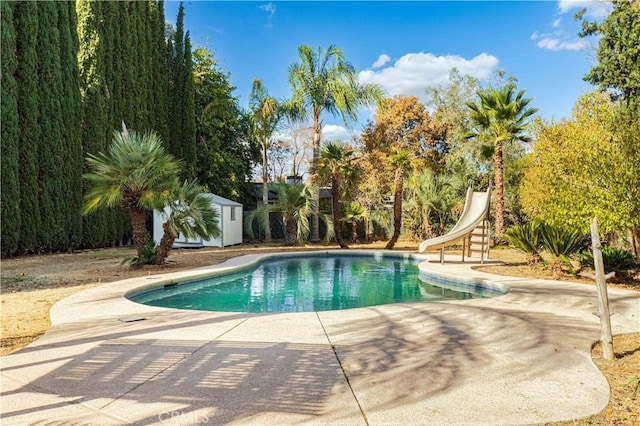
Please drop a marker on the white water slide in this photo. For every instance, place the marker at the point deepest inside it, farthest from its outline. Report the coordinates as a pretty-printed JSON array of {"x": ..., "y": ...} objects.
[{"x": 472, "y": 228}]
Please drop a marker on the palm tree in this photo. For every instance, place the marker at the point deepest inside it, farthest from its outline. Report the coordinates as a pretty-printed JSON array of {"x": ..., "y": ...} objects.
[
  {"x": 189, "y": 213},
  {"x": 434, "y": 199},
  {"x": 353, "y": 214},
  {"x": 322, "y": 81},
  {"x": 134, "y": 174},
  {"x": 266, "y": 113},
  {"x": 500, "y": 116},
  {"x": 295, "y": 204},
  {"x": 400, "y": 159},
  {"x": 335, "y": 162}
]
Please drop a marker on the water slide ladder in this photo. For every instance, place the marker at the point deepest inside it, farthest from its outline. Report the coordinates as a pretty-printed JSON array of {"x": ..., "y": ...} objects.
[{"x": 472, "y": 228}]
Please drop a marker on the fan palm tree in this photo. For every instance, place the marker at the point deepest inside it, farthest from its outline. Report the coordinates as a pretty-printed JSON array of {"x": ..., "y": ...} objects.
[
  {"x": 500, "y": 116},
  {"x": 401, "y": 160},
  {"x": 136, "y": 174},
  {"x": 295, "y": 204},
  {"x": 323, "y": 81},
  {"x": 335, "y": 163},
  {"x": 353, "y": 214},
  {"x": 265, "y": 115},
  {"x": 191, "y": 214},
  {"x": 434, "y": 199}
]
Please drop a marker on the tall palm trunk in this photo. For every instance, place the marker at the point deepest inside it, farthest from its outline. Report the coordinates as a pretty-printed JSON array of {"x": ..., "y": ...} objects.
[
  {"x": 265, "y": 192},
  {"x": 139, "y": 226},
  {"x": 335, "y": 207},
  {"x": 315, "y": 219},
  {"x": 397, "y": 208},
  {"x": 634, "y": 239},
  {"x": 354, "y": 231},
  {"x": 367, "y": 229},
  {"x": 499, "y": 181},
  {"x": 290, "y": 232},
  {"x": 164, "y": 248},
  {"x": 427, "y": 229}
]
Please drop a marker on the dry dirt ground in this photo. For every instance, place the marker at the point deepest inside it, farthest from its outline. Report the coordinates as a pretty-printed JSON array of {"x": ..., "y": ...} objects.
[{"x": 30, "y": 285}]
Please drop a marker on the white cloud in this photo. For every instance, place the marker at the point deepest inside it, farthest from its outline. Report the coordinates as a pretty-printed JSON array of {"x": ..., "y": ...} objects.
[
  {"x": 382, "y": 59},
  {"x": 557, "y": 40},
  {"x": 414, "y": 72},
  {"x": 270, "y": 8},
  {"x": 332, "y": 132},
  {"x": 555, "y": 44},
  {"x": 595, "y": 8},
  {"x": 215, "y": 30}
]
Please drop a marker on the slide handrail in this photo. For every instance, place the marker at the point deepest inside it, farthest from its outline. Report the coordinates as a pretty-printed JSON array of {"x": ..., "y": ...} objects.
[{"x": 476, "y": 209}]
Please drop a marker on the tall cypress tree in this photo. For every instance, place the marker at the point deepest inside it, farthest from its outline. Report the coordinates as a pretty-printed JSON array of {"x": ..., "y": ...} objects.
[
  {"x": 9, "y": 148},
  {"x": 181, "y": 109},
  {"x": 118, "y": 78},
  {"x": 142, "y": 70},
  {"x": 112, "y": 31},
  {"x": 128, "y": 62},
  {"x": 189, "y": 112},
  {"x": 52, "y": 194},
  {"x": 71, "y": 125},
  {"x": 26, "y": 17},
  {"x": 147, "y": 28},
  {"x": 176, "y": 88},
  {"x": 159, "y": 71},
  {"x": 93, "y": 90}
]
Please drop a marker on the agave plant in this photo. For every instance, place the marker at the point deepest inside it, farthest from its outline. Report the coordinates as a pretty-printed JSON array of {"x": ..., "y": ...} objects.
[
  {"x": 526, "y": 238},
  {"x": 561, "y": 243}
]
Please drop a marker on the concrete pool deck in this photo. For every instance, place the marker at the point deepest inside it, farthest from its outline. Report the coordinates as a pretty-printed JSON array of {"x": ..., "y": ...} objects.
[{"x": 520, "y": 358}]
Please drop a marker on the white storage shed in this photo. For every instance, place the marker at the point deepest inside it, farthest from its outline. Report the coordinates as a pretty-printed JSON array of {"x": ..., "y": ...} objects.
[{"x": 230, "y": 222}]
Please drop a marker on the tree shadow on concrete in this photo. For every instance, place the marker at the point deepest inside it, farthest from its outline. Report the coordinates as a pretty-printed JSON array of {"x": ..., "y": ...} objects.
[{"x": 221, "y": 382}]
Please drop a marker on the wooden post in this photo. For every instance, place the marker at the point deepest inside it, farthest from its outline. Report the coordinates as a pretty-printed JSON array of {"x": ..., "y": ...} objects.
[
  {"x": 482, "y": 242},
  {"x": 464, "y": 245},
  {"x": 603, "y": 298}
]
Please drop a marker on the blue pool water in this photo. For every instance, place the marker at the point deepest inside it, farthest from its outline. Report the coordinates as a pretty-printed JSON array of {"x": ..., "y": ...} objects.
[{"x": 308, "y": 284}]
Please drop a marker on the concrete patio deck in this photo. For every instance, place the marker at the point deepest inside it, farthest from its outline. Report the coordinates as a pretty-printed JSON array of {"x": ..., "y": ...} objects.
[{"x": 520, "y": 358}]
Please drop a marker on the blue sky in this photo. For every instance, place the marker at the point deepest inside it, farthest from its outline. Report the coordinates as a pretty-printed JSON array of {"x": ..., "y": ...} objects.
[{"x": 403, "y": 46}]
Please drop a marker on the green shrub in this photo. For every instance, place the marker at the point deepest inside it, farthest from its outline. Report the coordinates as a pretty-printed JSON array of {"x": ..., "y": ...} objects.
[
  {"x": 614, "y": 259},
  {"x": 526, "y": 238}
]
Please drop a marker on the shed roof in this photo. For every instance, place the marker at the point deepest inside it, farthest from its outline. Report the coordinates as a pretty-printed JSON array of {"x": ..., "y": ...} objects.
[{"x": 221, "y": 201}]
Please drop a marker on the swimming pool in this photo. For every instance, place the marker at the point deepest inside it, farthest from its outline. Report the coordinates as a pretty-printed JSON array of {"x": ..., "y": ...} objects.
[{"x": 310, "y": 283}]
